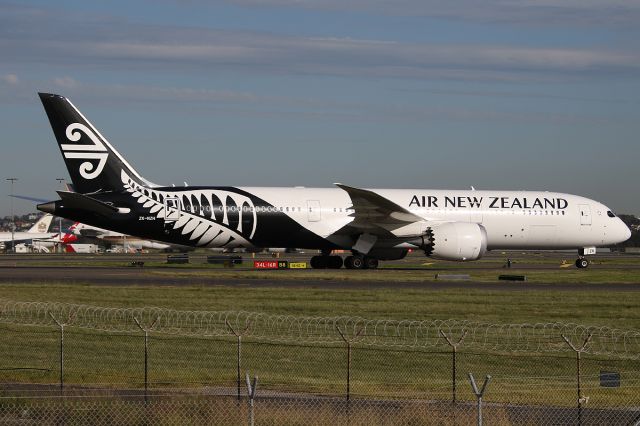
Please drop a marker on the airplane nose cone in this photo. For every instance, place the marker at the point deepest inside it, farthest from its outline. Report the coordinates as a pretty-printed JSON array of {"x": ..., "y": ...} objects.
[{"x": 626, "y": 233}]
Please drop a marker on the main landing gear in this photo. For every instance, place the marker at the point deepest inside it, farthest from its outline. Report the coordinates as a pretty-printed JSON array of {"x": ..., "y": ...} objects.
[
  {"x": 326, "y": 262},
  {"x": 356, "y": 261},
  {"x": 360, "y": 262}
]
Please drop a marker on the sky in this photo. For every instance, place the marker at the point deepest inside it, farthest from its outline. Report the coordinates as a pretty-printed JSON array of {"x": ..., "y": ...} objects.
[{"x": 432, "y": 94}]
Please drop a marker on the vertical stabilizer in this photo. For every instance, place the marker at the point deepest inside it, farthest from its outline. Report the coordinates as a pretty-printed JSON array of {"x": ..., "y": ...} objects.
[
  {"x": 93, "y": 164},
  {"x": 42, "y": 225}
]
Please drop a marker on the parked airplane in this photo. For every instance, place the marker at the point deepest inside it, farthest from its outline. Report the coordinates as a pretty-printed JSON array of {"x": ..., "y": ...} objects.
[
  {"x": 116, "y": 238},
  {"x": 374, "y": 224},
  {"x": 37, "y": 235}
]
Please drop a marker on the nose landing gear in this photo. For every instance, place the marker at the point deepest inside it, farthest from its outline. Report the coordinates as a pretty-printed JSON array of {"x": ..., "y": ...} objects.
[{"x": 582, "y": 263}]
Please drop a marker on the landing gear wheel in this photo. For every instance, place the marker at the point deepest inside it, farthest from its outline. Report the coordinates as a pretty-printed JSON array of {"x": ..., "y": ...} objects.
[
  {"x": 335, "y": 262},
  {"x": 370, "y": 263},
  {"x": 582, "y": 263},
  {"x": 348, "y": 262},
  {"x": 319, "y": 262},
  {"x": 326, "y": 262},
  {"x": 357, "y": 262}
]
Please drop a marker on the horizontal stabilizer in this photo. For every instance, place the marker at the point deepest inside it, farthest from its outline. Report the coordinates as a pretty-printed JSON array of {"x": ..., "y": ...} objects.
[
  {"x": 34, "y": 199},
  {"x": 74, "y": 200}
]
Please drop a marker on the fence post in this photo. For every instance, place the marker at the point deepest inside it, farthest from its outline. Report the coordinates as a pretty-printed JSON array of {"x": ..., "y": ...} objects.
[
  {"x": 61, "y": 325},
  {"x": 348, "y": 342},
  {"x": 479, "y": 394},
  {"x": 251, "y": 390},
  {"x": 454, "y": 347},
  {"x": 578, "y": 352},
  {"x": 238, "y": 335},
  {"x": 146, "y": 354}
]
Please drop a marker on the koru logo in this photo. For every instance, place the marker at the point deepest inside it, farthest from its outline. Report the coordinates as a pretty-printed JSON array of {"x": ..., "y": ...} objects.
[{"x": 95, "y": 151}]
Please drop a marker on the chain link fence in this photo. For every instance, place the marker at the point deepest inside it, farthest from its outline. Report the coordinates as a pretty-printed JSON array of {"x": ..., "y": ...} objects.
[{"x": 68, "y": 364}]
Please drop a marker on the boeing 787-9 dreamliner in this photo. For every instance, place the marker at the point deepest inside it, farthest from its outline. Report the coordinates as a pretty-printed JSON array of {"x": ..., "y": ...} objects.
[{"x": 371, "y": 224}]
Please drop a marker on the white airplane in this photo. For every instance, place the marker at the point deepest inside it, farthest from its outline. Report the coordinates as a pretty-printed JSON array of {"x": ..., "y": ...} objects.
[
  {"x": 373, "y": 224},
  {"x": 116, "y": 238},
  {"x": 37, "y": 235}
]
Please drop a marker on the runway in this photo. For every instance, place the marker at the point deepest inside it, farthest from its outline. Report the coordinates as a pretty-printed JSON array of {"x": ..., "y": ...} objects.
[{"x": 154, "y": 276}]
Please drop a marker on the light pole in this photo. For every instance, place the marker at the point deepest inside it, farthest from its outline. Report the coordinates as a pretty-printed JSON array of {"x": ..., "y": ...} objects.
[
  {"x": 60, "y": 181},
  {"x": 13, "y": 221}
]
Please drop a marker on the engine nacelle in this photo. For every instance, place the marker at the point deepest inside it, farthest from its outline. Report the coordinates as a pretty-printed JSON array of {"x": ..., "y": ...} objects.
[{"x": 455, "y": 241}]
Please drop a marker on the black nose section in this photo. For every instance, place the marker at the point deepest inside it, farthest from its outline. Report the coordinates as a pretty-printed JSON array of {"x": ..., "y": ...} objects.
[{"x": 49, "y": 207}]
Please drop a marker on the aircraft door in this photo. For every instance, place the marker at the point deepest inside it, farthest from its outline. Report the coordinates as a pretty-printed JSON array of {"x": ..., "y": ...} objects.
[
  {"x": 313, "y": 208},
  {"x": 585, "y": 214},
  {"x": 171, "y": 209}
]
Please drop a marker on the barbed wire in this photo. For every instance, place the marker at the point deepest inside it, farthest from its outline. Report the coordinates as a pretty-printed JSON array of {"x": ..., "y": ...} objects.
[{"x": 525, "y": 337}]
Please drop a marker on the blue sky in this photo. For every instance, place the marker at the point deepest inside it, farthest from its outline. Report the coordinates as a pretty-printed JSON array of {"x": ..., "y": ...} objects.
[{"x": 523, "y": 94}]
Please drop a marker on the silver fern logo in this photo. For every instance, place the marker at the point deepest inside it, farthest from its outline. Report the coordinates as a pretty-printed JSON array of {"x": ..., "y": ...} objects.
[
  {"x": 208, "y": 218},
  {"x": 96, "y": 151}
]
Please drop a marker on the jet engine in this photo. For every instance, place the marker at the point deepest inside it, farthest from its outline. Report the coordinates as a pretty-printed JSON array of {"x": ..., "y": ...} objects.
[{"x": 454, "y": 241}]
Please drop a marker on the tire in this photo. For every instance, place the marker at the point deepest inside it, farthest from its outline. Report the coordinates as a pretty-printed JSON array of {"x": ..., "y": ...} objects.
[
  {"x": 319, "y": 262},
  {"x": 358, "y": 262},
  {"x": 370, "y": 263},
  {"x": 335, "y": 262},
  {"x": 348, "y": 262},
  {"x": 582, "y": 263}
]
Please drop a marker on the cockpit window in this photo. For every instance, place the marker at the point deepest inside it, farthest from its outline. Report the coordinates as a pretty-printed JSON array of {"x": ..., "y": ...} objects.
[{"x": 610, "y": 213}]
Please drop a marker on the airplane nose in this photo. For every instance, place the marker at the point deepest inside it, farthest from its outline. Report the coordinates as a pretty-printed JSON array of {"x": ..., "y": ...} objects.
[{"x": 626, "y": 232}]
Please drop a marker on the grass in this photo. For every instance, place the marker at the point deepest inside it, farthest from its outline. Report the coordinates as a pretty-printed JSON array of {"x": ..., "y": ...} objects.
[
  {"x": 110, "y": 360},
  {"x": 592, "y": 307},
  {"x": 561, "y": 276},
  {"x": 616, "y": 309},
  {"x": 116, "y": 361}
]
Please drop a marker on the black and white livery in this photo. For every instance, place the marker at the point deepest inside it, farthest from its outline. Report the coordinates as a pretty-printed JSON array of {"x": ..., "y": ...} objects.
[{"x": 373, "y": 224}]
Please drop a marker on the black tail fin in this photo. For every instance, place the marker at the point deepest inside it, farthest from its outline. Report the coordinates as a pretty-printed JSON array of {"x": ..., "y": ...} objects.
[{"x": 93, "y": 164}]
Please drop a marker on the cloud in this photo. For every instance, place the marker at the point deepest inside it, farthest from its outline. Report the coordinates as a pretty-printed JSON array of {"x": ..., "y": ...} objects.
[
  {"x": 147, "y": 93},
  {"x": 348, "y": 57},
  {"x": 65, "y": 82},
  {"x": 10, "y": 79},
  {"x": 522, "y": 95},
  {"x": 238, "y": 103},
  {"x": 609, "y": 13},
  {"x": 119, "y": 45}
]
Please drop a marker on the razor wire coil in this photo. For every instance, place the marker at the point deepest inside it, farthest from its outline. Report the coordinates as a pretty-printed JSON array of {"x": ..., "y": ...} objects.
[{"x": 538, "y": 337}]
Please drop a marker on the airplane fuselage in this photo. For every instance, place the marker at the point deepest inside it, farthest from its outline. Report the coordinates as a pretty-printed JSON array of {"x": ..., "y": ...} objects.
[{"x": 319, "y": 218}]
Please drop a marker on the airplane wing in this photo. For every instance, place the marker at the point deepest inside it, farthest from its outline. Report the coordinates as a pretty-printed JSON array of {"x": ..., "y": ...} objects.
[
  {"x": 49, "y": 238},
  {"x": 18, "y": 239},
  {"x": 371, "y": 210}
]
